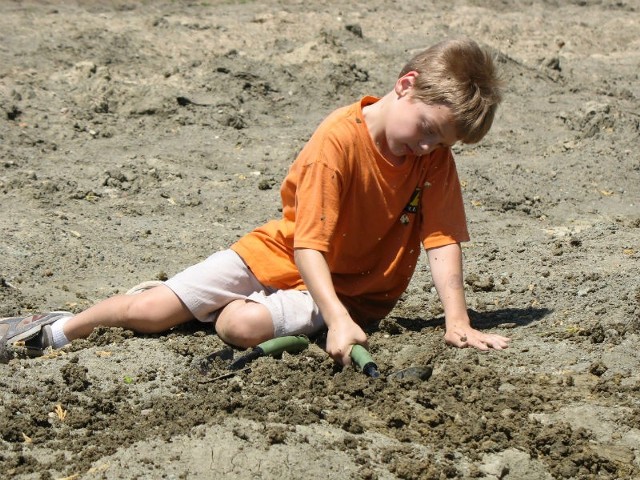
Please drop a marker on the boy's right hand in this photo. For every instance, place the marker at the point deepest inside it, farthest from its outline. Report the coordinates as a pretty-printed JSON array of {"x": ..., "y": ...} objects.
[
  {"x": 341, "y": 337},
  {"x": 343, "y": 333}
]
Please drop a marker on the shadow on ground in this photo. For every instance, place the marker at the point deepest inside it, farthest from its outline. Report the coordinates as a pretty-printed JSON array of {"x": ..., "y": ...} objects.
[{"x": 511, "y": 317}]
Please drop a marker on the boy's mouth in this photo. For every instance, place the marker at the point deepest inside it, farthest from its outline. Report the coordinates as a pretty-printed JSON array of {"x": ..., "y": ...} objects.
[{"x": 412, "y": 151}]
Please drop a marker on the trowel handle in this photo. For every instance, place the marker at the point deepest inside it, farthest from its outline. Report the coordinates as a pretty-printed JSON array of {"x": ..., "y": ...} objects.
[
  {"x": 290, "y": 343},
  {"x": 364, "y": 361},
  {"x": 273, "y": 347}
]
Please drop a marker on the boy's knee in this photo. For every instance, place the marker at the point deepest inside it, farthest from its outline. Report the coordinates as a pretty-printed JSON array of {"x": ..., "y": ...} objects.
[
  {"x": 244, "y": 324},
  {"x": 138, "y": 308},
  {"x": 153, "y": 310}
]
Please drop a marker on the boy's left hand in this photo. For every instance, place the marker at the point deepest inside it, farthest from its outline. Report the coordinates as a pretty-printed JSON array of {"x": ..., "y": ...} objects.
[{"x": 466, "y": 336}]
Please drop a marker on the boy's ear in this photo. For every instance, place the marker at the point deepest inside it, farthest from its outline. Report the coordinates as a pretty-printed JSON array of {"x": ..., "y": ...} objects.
[{"x": 405, "y": 83}]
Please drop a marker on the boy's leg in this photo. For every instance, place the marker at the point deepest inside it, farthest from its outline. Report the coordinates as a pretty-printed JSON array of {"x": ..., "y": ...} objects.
[
  {"x": 244, "y": 323},
  {"x": 248, "y": 322},
  {"x": 249, "y": 317},
  {"x": 205, "y": 287},
  {"x": 155, "y": 310},
  {"x": 151, "y": 311}
]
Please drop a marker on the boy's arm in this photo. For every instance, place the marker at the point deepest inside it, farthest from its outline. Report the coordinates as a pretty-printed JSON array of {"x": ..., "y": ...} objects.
[
  {"x": 446, "y": 269},
  {"x": 343, "y": 333}
]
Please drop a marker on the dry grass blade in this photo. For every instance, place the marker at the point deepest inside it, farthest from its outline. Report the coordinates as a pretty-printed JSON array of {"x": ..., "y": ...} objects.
[{"x": 60, "y": 412}]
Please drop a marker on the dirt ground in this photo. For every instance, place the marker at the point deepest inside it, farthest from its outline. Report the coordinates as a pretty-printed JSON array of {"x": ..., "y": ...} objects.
[{"x": 136, "y": 138}]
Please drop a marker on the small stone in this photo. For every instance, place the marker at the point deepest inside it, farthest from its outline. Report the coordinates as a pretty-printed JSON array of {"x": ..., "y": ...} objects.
[
  {"x": 598, "y": 369},
  {"x": 355, "y": 28},
  {"x": 264, "y": 184},
  {"x": 413, "y": 373}
]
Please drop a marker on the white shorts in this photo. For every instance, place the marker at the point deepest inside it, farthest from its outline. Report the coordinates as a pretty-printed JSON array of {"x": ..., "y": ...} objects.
[{"x": 210, "y": 285}]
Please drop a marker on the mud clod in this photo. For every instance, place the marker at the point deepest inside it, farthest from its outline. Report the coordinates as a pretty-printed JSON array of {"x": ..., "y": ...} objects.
[{"x": 75, "y": 376}]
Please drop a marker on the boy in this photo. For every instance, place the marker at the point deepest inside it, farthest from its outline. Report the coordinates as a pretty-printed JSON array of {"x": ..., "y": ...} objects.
[{"x": 376, "y": 180}]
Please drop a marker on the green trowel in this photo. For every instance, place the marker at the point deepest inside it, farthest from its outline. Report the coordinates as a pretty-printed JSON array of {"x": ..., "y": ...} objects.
[{"x": 272, "y": 348}]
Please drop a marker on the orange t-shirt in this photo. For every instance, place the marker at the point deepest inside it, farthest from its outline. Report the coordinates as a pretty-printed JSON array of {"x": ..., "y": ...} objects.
[{"x": 368, "y": 217}]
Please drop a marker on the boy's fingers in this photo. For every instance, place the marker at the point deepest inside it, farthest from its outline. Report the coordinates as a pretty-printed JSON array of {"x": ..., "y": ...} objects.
[
  {"x": 482, "y": 346},
  {"x": 497, "y": 342},
  {"x": 500, "y": 341},
  {"x": 478, "y": 340},
  {"x": 345, "y": 357},
  {"x": 489, "y": 342},
  {"x": 342, "y": 357}
]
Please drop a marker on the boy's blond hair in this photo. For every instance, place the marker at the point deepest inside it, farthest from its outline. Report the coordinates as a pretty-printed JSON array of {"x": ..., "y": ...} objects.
[{"x": 462, "y": 75}]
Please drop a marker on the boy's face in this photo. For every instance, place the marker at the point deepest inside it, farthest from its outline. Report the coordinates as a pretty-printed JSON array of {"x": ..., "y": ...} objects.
[{"x": 416, "y": 127}]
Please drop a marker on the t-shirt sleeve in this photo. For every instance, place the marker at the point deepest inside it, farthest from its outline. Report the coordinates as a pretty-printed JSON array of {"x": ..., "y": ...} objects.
[
  {"x": 443, "y": 217},
  {"x": 317, "y": 200}
]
